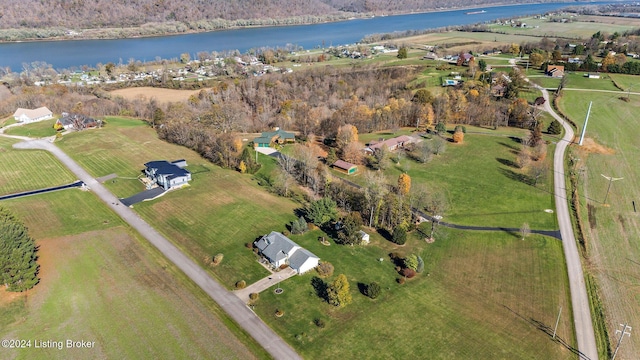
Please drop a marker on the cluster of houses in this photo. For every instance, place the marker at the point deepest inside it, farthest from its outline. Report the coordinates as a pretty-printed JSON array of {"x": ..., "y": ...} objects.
[{"x": 67, "y": 121}]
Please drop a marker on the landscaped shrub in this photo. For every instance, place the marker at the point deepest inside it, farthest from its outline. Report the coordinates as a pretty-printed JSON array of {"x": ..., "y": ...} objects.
[
  {"x": 400, "y": 280},
  {"x": 411, "y": 262},
  {"x": 373, "y": 290},
  {"x": 241, "y": 284},
  {"x": 283, "y": 266},
  {"x": 319, "y": 323},
  {"x": 217, "y": 259},
  {"x": 325, "y": 269},
  {"x": 555, "y": 127},
  {"x": 279, "y": 312},
  {"x": 254, "y": 296},
  {"x": 420, "y": 267},
  {"x": 408, "y": 273}
]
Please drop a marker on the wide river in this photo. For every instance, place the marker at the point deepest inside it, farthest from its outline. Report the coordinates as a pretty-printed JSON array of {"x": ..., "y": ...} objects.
[{"x": 75, "y": 53}]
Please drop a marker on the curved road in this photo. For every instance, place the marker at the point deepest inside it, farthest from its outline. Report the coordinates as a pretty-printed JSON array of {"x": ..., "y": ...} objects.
[
  {"x": 579, "y": 298},
  {"x": 230, "y": 303}
]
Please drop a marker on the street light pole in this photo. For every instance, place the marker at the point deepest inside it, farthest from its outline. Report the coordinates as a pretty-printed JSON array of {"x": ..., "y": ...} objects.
[{"x": 611, "y": 179}]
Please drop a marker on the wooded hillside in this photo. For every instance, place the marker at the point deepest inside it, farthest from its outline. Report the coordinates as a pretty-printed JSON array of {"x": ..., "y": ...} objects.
[{"x": 204, "y": 14}]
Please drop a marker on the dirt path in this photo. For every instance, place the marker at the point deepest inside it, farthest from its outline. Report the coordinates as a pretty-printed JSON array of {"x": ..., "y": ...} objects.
[{"x": 230, "y": 303}]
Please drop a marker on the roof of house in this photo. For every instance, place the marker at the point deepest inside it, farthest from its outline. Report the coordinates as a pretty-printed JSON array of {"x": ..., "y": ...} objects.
[
  {"x": 166, "y": 168},
  {"x": 276, "y": 246},
  {"x": 299, "y": 257},
  {"x": 343, "y": 164},
  {"x": 69, "y": 119},
  {"x": 33, "y": 113},
  {"x": 391, "y": 142},
  {"x": 268, "y": 135}
]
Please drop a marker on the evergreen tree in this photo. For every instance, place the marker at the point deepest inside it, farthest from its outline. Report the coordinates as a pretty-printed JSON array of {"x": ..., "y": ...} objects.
[
  {"x": 399, "y": 235},
  {"x": 18, "y": 267},
  {"x": 322, "y": 211},
  {"x": 555, "y": 127},
  {"x": 402, "y": 53},
  {"x": 350, "y": 233},
  {"x": 299, "y": 226}
]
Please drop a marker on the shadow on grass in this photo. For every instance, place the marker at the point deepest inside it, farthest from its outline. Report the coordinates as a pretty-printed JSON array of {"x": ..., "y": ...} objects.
[
  {"x": 362, "y": 287},
  {"x": 549, "y": 332},
  {"x": 506, "y": 162},
  {"x": 523, "y": 178},
  {"x": 320, "y": 287}
]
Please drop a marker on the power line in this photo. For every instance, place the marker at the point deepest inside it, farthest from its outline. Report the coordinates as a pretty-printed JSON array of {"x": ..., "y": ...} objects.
[{"x": 622, "y": 333}]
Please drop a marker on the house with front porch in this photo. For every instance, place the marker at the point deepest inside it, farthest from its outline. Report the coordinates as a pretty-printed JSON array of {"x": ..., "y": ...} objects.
[{"x": 279, "y": 250}]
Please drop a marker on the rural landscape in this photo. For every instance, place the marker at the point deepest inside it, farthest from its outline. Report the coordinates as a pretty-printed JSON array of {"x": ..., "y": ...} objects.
[{"x": 462, "y": 193}]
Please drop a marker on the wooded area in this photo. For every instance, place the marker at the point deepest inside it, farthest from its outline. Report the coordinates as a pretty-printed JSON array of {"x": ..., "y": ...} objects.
[
  {"x": 204, "y": 15},
  {"x": 18, "y": 267}
]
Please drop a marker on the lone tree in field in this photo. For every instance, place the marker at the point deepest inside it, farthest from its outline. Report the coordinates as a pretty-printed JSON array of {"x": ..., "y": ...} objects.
[
  {"x": 18, "y": 267},
  {"x": 402, "y": 53},
  {"x": 338, "y": 292},
  {"x": 404, "y": 184},
  {"x": 555, "y": 127},
  {"x": 458, "y": 135}
]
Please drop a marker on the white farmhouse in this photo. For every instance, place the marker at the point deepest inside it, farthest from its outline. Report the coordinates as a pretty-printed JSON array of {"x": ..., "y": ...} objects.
[
  {"x": 32, "y": 115},
  {"x": 280, "y": 250}
]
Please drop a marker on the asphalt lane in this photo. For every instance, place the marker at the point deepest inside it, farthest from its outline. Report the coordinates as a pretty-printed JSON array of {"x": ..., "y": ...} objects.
[
  {"x": 230, "y": 303},
  {"x": 579, "y": 298}
]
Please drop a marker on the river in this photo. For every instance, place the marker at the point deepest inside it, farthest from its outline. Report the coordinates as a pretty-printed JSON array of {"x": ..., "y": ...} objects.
[{"x": 75, "y": 53}]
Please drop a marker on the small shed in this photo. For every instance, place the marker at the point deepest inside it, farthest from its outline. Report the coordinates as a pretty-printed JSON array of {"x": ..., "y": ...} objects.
[
  {"x": 345, "y": 167},
  {"x": 364, "y": 237}
]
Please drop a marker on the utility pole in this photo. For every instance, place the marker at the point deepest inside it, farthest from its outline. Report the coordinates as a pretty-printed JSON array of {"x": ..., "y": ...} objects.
[
  {"x": 584, "y": 129},
  {"x": 611, "y": 179},
  {"x": 557, "y": 321},
  {"x": 622, "y": 333}
]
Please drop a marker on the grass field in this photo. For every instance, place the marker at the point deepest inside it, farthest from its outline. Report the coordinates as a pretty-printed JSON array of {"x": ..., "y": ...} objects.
[
  {"x": 580, "y": 27},
  {"x": 480, "y": 180},
  {"x": 612, "y": 231},
  {"x": 100, "y": 283},
  {"x": 579, "y": 81},
  {"x": 29, "y": 170},
  {"x": 478, "y": 296},
  {"x": 205, "y": 218},
  {"x": 36, "y": 129}
]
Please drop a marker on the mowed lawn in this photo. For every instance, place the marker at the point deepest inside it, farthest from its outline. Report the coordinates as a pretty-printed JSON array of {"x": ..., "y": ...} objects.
[
  {"x": 481, "y": 296},
  {"x": 29, "y": 169},
  {"x": 613, "y": 231},
  {"x": 101, "y": 283},
  {"x": 481, "y": 181},
  {"x": 36, "y": 129},
  {"x": 218, "y": 213}
]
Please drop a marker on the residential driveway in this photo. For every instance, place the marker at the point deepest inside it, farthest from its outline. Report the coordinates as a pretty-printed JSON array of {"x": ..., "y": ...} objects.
[
  {"x": 142, "y": 196},
  {"x": 230, "y": 303},
  {"x": 579, "y": 298},
  {"x": 265, "y": 283}
]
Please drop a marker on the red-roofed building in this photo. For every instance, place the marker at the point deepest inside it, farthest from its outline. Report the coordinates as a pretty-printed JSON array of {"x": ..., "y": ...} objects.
[
  {"x": 345, "y": 167},
  {"x": 391, "y": 144}
]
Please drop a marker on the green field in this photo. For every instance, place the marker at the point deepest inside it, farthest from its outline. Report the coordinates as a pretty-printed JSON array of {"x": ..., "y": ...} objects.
[
  {"x": 578, "y": 80},
  {"x": 612, "y": 231},
  {"x": 101, "y": 283},
  {"x": 578, "y": 28},
  {"x": 479, "y": 295},
  {"x": 36, "y": 129},
  {"x": 205, "y": 218},
  {"x": 29, "y": 170},
  {"x": 480, "y": 180}
]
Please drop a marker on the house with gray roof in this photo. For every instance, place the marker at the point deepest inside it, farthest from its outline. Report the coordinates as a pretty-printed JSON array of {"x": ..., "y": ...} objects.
[
  {"x": 280, "y": 250},
  {"x": 169, "y": 175}
]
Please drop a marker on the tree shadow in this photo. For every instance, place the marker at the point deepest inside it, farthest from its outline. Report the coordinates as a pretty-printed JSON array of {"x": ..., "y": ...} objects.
[
  {"x": 517, "y": 176},
  {"x": 320, "y": 287},
  {"x": 513, "y": 148},
  {"x": 507, "y": 162},
  {"x": 362, "y": 287}
]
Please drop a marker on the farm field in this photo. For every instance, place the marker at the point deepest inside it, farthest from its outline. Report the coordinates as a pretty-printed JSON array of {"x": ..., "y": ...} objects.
[
  {"x": 480, "y": 294},
  {"x": 162, "y": 96},
  {"x": 101, "y": 283},
  {"x": 37, "y": 129},
  {"x": 203, "y": 219},
  {"x": 612, "y": 231},
  {"x": 29, "y": 170}
]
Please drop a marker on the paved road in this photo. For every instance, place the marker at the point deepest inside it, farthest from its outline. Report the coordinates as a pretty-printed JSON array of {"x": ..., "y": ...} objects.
[
  {"x": 41, "y": 191},
  {"x": 230, "y": 303},
  {"x": 579, "y": 298}
]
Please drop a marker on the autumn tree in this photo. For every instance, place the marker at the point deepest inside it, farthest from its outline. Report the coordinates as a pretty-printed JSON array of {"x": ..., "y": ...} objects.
[
  {"x": 242, "y": 167},
  {"x": 458, "y": 135},
  {"x": 538, "y": 171},
  {"x": 346, "y": 135},
  {"x": 536, "y": 59},
  {"x": 404, "y": 184},
  {"x": 338, "y": 292}
]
